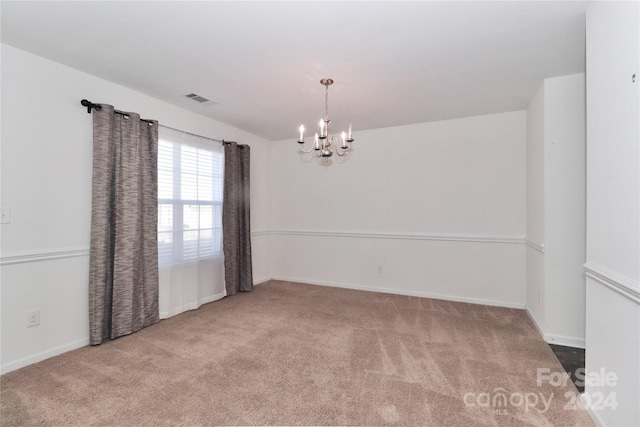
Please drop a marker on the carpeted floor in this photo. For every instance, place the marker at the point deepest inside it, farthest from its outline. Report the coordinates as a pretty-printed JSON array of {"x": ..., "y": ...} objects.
[{"x": 295, "y": 354}]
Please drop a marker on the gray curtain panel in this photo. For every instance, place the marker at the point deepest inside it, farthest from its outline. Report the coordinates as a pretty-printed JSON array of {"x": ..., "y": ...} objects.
[
  {"x": 236, "y": 229},
  {"x": 123, "y": 266}
]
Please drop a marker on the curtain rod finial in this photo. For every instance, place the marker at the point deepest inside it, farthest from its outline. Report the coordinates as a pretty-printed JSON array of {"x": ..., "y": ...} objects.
[{"x": 90, "y": 105}]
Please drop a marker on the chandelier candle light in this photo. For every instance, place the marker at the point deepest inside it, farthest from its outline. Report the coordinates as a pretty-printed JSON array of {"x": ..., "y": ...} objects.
[{"x": 323, "y": 141}]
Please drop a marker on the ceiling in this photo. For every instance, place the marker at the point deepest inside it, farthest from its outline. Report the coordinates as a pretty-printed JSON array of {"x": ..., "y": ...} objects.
[{"x": 394, "y": 63}]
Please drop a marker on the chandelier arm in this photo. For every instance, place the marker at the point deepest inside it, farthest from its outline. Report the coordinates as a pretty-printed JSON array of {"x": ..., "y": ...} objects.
[
  {"x": 305, "y": 151},
  {"x": 342, "y": 150},
  {"x": 325, "y": 137}
]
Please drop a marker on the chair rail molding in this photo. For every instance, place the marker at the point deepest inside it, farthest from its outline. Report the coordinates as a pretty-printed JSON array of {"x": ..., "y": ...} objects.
[
  {"x": 623, "y": 285},
  {"x": 518, "y": 240},
  {"x": 260, "y": 233},
  {"x": 42, "y": 255},
  {"x": 533, "y": 245}
]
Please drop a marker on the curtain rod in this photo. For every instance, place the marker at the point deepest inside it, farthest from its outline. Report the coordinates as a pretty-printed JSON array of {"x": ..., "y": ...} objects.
[
  {"x": 222, "y": 141},
  {"x": 90, "y": 105}
]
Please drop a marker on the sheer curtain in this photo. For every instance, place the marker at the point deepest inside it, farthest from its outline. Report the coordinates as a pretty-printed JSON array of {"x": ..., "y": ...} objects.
[{"x": 190, "y": 191}]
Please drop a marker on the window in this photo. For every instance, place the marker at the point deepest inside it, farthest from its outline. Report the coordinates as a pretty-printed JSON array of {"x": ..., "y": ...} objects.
[{"x": 190, "y": 174}]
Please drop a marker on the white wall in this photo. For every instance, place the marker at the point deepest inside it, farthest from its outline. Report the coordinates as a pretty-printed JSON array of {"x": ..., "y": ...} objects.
[
  {"x": 613, "y": 206},
  {"x": 433, "y": 209},
  {"x": 565, "y": 210},
  {"x": 46, "y": 182},
  {"x": 535, "y": 209},
  {"x": 556, "y": 209}
]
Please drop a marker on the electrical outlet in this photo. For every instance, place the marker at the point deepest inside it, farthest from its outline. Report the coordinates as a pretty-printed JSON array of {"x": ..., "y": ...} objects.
[
  {"x": 5, "y": 216},
  {"x": 33, "y": 318}
]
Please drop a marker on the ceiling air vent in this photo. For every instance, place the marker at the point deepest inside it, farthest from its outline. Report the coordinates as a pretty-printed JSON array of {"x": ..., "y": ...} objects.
[{"x": 198, "y": 98}]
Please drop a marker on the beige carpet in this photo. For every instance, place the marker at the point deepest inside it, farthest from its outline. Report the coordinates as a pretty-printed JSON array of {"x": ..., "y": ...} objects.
[{"x": 295, "y": 354}]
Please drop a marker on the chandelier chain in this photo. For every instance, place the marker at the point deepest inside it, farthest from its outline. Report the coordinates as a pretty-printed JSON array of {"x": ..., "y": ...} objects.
[{"x": 326, "y": 102}]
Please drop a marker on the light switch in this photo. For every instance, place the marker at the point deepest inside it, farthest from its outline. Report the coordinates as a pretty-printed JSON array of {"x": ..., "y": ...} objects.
[{"x": 6, "y": 216}]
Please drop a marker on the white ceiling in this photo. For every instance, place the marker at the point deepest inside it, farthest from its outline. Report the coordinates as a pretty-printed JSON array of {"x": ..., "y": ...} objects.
[{"x": 393, "y": 63}]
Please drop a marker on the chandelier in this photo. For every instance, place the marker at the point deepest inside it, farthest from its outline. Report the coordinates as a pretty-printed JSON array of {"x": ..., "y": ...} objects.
[{"x": 323, "y": 140}]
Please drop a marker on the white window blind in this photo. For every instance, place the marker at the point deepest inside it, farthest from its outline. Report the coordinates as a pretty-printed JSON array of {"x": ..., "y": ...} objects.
[
  {"x": 190, "y": 177},
  {"x": 189, "y": 199}
]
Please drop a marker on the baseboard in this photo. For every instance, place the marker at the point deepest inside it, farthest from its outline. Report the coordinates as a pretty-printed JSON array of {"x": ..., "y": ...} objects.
[
  {"x": 556, "y": 339},
  {"x": 535, "y": 324},
  {"x": 39, "y": 357},
  {"x": 479, "y": 301},
  {"x": 257, "y": 282},
  {"x": 565, "y": 341}
]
